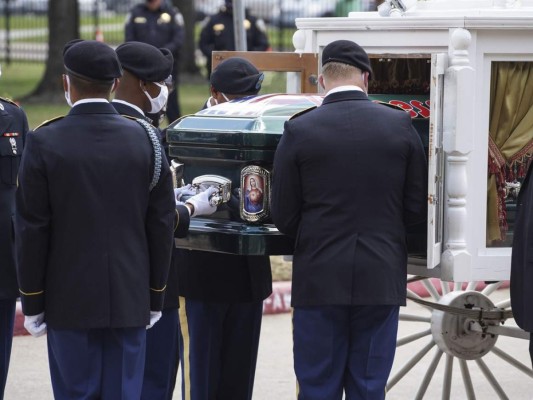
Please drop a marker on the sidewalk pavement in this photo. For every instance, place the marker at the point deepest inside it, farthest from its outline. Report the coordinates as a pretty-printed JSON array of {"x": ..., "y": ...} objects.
[{"x": 29, "y": 378}]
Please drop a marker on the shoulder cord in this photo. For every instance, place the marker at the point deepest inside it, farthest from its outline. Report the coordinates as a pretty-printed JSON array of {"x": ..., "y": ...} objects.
[{"x": 154, "y": 139}]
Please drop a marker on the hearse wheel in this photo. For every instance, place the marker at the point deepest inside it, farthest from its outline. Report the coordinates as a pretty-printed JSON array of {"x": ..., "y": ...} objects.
[{"x": 462, "y": 323}]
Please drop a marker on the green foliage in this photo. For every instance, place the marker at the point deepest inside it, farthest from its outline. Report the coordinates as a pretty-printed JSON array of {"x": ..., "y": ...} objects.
[{"x": 19, "y": 79}]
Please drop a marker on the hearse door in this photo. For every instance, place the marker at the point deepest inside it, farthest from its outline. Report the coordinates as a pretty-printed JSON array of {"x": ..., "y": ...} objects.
[{"x": 436, "y": 162}]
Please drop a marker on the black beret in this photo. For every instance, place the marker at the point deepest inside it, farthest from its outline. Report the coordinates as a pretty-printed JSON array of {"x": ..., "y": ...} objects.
[
  {"x": 146, "y": 62},
  {"x": 92, "y": 60},
  {"x": 346, "y": 52},
  {"x": 237, "y": 76}
]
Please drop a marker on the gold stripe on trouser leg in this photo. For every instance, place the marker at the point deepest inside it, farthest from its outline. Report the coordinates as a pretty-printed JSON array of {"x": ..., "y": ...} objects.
[
  {"x": 186, "y": 365},
  {"x": 292, "y": 323}
]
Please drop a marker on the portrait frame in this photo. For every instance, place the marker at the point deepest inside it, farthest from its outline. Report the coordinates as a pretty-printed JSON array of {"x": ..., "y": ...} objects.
[{"x": 254, "y": 202}]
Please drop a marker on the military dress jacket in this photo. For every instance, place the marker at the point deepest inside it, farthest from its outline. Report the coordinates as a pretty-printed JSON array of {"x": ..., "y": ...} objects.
[
  {"x": 522, "y": 257},
  {"x": 129, "y": 111},
  {"x": 93, "y": 241},
  {"x": 181, "y": 226},
  {"x": 13, "y": 129},
  {"x": 223, "y": 278},
  {"x": 348, "y": 178}
]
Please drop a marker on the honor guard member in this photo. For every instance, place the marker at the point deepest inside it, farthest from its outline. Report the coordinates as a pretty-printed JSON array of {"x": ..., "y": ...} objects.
[
  {"x": 521, "y": 259},
  {"x": 221, "y": 295},
  {"x": 218, "y": 33},
  {"x": 94, "y": 233},
  {"x": 350, "y": 259},
  {"x": 161, "y": 25},
  {"x": 142, "y": 89},
  {"x": 13, "y": 128}
]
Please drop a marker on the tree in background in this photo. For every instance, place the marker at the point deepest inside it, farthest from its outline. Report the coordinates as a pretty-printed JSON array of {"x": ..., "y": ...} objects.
[
  {"x": 63, "y": 25},
  {"x": 188, "y": 59}
]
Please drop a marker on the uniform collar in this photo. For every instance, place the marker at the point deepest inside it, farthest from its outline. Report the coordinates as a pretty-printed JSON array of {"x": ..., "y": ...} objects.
[
  {"x": 90, "y": 100},
  {"x": 138, "y": 109},
  {"x": 344, "y": 88}
]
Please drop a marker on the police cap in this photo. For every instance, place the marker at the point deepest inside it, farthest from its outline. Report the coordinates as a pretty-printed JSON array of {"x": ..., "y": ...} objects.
[
  {"x": 92, "y": 60},
  {"x": 146, "y": 62},
  {"x": 346, "y": 52},
  {"x": 237, "y": 75}
]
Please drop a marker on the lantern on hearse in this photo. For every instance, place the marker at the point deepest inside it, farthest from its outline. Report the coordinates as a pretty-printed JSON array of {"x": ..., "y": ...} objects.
[{"x": 476, "y": 58}]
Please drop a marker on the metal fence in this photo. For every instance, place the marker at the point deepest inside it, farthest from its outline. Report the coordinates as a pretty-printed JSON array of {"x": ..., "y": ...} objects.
[{"x": 24, "y": 23}]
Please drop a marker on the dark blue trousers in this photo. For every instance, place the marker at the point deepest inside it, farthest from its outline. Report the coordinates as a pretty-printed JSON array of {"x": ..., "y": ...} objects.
[
  {"x": 346, "y": 349},
  {"x": 218, "y": 349},
  {"x": 162, "y": 357},
  {"x": 104, "y": 364},
  {"x": 7, "y": 320}
]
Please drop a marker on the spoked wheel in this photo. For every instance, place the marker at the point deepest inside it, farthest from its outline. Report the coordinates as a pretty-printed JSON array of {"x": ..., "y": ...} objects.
[{"x": 466, "y": 326}]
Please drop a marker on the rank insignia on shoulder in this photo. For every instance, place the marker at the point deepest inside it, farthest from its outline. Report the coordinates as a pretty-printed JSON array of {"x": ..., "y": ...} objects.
[
  {"x": 386, "y": 104},
  {"x": 49, "y": 121},
  {"x": 302, "y": 112},
  {"x": 8, "y": 101}
]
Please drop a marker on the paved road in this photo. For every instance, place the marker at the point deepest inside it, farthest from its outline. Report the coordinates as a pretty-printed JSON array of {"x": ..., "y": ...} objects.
[{"x": 29, "y": 378}]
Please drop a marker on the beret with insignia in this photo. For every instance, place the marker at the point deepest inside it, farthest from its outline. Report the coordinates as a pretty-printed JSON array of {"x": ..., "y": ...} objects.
[
  {"x": 146, "y": 62},
  {"x": 91, "y": 60},
  {"x": 237, "y": 75},
  {"x": 346, "y": 52}
]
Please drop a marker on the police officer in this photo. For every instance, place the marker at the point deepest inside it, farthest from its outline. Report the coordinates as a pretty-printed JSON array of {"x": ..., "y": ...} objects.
[
  {"x": 94, "y": 232},
  {"x": 13, "y": 128},
  {"x": 218, "y": 33},
  {"x": 221, "y": 295},
  {"x": 142, "y": 89},
  {"x": 160, "y": 25}
]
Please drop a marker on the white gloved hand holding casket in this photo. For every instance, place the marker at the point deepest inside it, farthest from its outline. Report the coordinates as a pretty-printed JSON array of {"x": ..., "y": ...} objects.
[
  {"x": 184, "y": 192},
  {"x": 201, "y": 203}
]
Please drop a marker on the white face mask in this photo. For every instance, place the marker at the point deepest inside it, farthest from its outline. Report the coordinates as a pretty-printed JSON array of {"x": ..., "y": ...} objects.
[
  {"x": 67, "y": 93},
  {"x": 158, "y": 102},
  {"x": 211, "y": 101}
]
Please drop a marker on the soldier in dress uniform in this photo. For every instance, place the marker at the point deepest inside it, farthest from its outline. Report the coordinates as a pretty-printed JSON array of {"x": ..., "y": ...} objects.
[
  {"x": 13, "y": 128},
  {"x": 218, "y": 33},
  {"x": 234, "y": 78},
  {"x": 161, "y": 25},
  {"x": 146, "y": 69},
  {"x": 94, "y": 232},
  {"x": 221, "y": 295},
  {"x": 350, "y": 257}
]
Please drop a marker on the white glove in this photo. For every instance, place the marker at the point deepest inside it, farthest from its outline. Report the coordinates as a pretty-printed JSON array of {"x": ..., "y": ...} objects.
[
  {"x": 183, "y": 191},
  {"x": 35, "y": 324},
  {"x": 154, "y": 317},
  {"x": 201, "y": 204}
]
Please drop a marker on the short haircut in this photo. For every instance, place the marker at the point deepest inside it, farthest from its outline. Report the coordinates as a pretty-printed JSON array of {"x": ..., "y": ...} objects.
[
  {"x": 88, "y": 88},
  {"x": 336, "y": 70}
]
